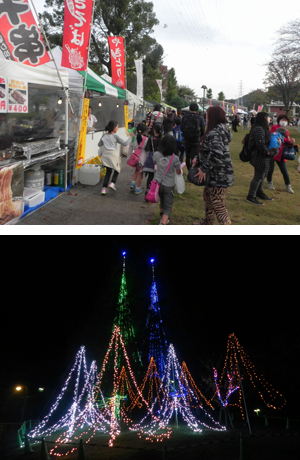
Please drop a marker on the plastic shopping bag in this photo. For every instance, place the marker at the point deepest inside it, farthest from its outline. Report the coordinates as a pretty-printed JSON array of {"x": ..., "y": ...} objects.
[{"x": 180, "y": 183}]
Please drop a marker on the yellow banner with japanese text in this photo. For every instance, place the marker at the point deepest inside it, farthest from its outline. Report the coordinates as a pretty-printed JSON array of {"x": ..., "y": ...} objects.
[{"x": 82, "y": 135}]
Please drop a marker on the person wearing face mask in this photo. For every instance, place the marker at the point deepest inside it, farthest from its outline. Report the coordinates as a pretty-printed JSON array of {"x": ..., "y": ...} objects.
[{"x": 282, "y": 122}]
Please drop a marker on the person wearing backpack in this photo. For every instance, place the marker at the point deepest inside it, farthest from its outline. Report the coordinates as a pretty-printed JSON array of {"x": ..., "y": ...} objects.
[
  {"x": 192, "y": 128},
  {"x": 156, "y": 117},
  {"x": 141, "y": 141},
  {"x": 178, "y": 136},
  {"x": 153, "y": 145}
]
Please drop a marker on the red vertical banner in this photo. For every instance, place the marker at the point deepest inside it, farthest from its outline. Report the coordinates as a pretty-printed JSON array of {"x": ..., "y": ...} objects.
[
  {"x": 20, "y": 37},
  {"x": 223, "y": 105},
  {"x": 210, "y": 102},
  {"x": 117, "y": 56},
  {"x": 77, "y": 29}
]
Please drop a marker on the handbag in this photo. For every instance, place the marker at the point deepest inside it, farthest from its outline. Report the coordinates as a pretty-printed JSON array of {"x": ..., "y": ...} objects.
[
  {"x": 153, "y": 194},
  {"x": 149, "y": 160},
  {"x": 245, "y": 154},
  {"x": 194, "y": 180},
  {"x": 195, "y": 170},
  {"x": 135, "y": 156},
  {"x": 289, "y": 153}
]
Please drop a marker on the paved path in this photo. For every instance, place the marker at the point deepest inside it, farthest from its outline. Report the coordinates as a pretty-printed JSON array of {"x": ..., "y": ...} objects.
[{"x": 84, "y": 205}]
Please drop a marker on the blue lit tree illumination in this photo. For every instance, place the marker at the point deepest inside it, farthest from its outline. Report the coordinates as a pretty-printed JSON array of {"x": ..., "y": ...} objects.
[{"x": 155, "y": 341}]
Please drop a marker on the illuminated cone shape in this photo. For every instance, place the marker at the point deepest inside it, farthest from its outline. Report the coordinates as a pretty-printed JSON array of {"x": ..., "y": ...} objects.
[
  {"x": 123, "y": 320},
  {"x": 155, "y": 339}
]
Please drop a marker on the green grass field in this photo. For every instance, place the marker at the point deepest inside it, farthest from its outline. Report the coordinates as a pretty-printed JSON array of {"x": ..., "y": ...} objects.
[{"x": 188, "y": 208}]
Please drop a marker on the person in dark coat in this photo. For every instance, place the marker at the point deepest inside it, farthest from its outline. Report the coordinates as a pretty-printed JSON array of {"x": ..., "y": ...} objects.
[
  {"x": 260, "y": 158},
  {"x": 235, "y": 123},
  {"x": 192, "y": 128},
  {"x": 168, "y": 122}
]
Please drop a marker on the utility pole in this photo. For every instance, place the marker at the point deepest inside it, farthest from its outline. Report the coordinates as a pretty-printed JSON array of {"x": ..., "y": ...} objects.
[{"x": 204, "y": 89}]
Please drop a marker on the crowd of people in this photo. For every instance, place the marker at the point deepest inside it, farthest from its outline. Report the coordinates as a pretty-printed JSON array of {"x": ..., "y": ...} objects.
[{"x": 165, "y": 140}]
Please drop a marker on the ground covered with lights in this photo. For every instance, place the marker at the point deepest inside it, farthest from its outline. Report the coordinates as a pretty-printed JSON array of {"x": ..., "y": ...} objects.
[{"x": 267, "y": 443}]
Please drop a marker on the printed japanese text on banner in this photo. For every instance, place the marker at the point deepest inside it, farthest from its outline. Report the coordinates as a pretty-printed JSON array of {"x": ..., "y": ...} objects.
[
  {"x": 20, "y": 38},
  {"x": 17, "y": 95},
  {"x": 117, "y": 56},
  {"x": 77, "y": 28},
  {"x": 3, "y": 95},
  {"x": 82, "y": 135}
]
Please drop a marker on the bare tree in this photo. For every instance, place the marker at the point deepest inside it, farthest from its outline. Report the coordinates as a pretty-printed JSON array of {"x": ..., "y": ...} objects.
[
  {"x": 283, "y": 76},
  {"x": 288, "y": 40}
]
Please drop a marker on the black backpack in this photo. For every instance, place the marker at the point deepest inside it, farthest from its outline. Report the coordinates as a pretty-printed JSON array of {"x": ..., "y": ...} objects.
[
  {"x": 245, "y": 154},
  {"x": 190, "y": 127}
]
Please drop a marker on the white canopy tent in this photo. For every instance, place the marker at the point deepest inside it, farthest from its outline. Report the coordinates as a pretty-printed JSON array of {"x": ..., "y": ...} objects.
[{"x": 42, "y": 75}]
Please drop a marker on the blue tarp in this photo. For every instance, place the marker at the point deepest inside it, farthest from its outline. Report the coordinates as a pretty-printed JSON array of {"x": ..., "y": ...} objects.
[{"x": 50, "y": 194}]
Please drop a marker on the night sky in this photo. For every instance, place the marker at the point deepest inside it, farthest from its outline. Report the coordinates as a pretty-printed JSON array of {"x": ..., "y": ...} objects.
[{"x": 64, "y": 295}]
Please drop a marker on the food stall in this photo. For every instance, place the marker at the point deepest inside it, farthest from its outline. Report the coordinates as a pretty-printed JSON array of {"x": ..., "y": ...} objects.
[
  {"x": 33, "y": 101},
  {"x": 136, "y": 105},
  {"x": 106, "y": 100}
]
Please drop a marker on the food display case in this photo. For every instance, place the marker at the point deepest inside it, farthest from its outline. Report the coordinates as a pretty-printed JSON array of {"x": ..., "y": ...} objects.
[{"x": 32, "y": 100}]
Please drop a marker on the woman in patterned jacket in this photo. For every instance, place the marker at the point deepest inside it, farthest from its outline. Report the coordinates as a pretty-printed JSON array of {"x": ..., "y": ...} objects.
[
  {"x": 216, "y": 164},
  {"x": 260, "y": 158}
]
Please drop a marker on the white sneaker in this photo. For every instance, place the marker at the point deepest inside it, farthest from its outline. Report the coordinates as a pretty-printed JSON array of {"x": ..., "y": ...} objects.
[
  {"x": 112, "y": 186},
  {"x": 270, "y": 186},
  {"x": 289, "y": 189}
]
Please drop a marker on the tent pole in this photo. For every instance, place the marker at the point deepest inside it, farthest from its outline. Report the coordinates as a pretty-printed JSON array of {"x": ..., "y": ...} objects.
[
  {"x": 88, "y": 55},
  {"x": 66, "y": 137},
  {"x": 66, "y": 94}
]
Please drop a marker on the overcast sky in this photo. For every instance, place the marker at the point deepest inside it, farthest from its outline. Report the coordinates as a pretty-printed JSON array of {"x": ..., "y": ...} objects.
[
  {"x": 217, "y": 43},
  {"x": 220, "y": 43}
]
